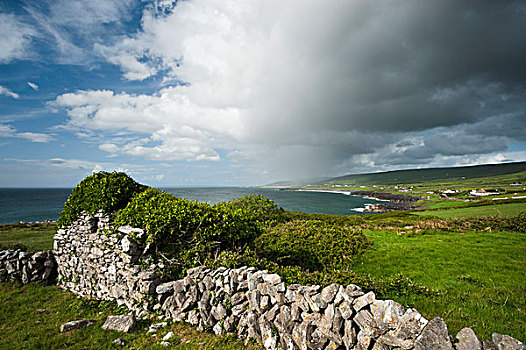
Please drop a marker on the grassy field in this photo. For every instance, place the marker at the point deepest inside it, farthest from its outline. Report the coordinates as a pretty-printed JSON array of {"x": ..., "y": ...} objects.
[
  {"x": 509, "y": 209},
  {"x": 29, "y": 237},
  {"x": 413, "y": 176},
  {"x": 479, "y": 276},
  {"x": 31, "y": 315},
  {"x": 477, "y": 279}
]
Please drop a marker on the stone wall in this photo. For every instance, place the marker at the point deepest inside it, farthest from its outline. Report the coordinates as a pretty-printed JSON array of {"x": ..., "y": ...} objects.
[
  {"x": 25, "y": 267},
  {"x": 92, "y": 262},
  {"x": 249, "y": 303}
]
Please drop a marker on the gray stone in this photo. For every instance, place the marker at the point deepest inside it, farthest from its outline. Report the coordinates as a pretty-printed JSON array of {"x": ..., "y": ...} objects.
[
  {"x": 489, "y": 345},
  {"x": 66, "y": 327},
  {"x": 361, "y": 302},
  {"x": 505, "y": 342},
  {"x": 363, "y": 340},
  {"x": 346, "y": 310},
  {"x": 121, "y": 323},
  {"x": 353, "y": 290},
  {"x": 129, "y": 246},
  {"x": 387, "y": 314},
  {"x": 272, "y": 278},
  {"x": 434, "y": 336},
  {"x": 193, "y": 317},
  {"x": 156, "y": 326},
  {"x": 349, "y": 334},
  {"x": 367, "y": 324},
  {"x": 120, "y": 342},
  {"x": 168, "y": 336},
  {"x": 411, "y": 325},
  {"x": 467, "y": 340},
  {"x": 219, "y": 312},
  {"x": 165, "y": 288},
  {"x": 329, "y": 293}
]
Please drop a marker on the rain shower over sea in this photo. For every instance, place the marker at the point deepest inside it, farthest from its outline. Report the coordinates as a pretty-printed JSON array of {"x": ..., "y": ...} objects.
[{"x": 40, "y": 204}]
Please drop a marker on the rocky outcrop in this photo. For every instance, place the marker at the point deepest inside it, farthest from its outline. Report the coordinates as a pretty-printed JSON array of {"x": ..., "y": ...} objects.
[{"x": 25, "y": 267}]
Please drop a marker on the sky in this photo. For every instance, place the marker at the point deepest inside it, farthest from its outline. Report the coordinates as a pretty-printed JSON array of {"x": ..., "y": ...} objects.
[{"x": 247, "y": 92}]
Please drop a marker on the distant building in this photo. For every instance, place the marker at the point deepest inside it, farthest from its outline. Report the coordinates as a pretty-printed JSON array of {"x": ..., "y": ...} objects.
[{"x": 482, "y": 193}]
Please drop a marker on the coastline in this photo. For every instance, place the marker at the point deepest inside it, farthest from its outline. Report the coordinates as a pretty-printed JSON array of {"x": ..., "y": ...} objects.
[{"x": 393, "y": 201}]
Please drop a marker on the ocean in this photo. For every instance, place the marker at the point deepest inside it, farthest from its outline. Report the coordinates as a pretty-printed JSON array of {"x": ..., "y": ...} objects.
[{"x": 40, "y": 204}]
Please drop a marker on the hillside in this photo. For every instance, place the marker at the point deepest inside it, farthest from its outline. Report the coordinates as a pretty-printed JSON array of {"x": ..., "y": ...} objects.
[{"x": 413, "y": 176}]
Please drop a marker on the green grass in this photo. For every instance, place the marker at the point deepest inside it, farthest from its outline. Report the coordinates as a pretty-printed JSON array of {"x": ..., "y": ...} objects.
[
  {"x": 412, "y": 176},
  {"x": 480, "y": 277},
  {"x": 510, "y": 209},
  {"x": 31, "y": 315},
  {"x": 29, "y": 237}
]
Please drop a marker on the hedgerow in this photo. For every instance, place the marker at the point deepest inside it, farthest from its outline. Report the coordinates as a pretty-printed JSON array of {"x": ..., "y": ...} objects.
[{"x": 104, "y": 191}]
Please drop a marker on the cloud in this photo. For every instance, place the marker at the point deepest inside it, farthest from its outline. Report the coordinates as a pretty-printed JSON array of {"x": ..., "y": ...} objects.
[
  {"x": 15, "y": 38},
  {"x": 5, "y": 91},
  {"x": 316, "y": 87},
  {"x": 10, "y": 131},
  {"x": 33, "y": 86},
  {"x": 72, "y": 27}
]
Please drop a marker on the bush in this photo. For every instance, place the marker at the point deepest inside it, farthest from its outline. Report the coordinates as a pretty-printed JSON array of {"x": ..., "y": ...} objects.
[
  {"x": 188, "y": 232},
  {"x": 101, "y": 191},
  {"x": 311, "y": 244}
]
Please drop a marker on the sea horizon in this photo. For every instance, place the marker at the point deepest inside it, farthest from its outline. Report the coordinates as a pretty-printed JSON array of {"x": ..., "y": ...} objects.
[{"x": 38, "y": 204}]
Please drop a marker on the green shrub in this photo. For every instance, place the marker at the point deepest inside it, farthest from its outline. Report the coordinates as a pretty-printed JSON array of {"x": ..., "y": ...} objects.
[
  {"x": 188, "y": 232},
  {"x": 101, "y": 191},
  {"x": 311, "y": 244}
]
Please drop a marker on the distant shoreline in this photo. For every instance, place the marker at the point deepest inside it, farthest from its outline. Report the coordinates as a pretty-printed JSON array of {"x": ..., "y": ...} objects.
[{"x": 394, "y": 201}]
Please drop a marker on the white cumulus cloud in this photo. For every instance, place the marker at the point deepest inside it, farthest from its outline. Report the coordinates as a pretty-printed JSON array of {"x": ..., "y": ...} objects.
[{"x": 312, "y": 86}]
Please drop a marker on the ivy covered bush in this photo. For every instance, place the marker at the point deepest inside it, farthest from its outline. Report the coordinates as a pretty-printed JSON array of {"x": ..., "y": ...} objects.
[
  {"x": 104, "y": 191},
  {"x": 251, "y": 230},
  {"x": 188, "y": 232}
]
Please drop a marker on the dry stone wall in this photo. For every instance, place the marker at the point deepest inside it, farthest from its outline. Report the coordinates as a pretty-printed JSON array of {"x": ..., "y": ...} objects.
[
  {"x": 245, "y": 301},
  {"x": 25, "y": 267},
  {"x": 94, "y": 263}
]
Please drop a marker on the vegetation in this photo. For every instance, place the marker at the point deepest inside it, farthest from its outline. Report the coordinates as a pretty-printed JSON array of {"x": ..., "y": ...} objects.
[
  {"x": 412, "y": 176},
  {"x": 510, "y": 209},
  {"x": 31, "y": 315},
  {"x": 101, "y": 191},
  {"x": 479, "y": 276},
  {"x": 468, "y": 270},
  {"x": 28, "y": 237}
]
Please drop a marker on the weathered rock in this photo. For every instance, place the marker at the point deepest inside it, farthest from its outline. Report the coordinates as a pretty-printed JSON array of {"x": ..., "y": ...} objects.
[
  {"x": 489, "y": 345},
  {"x": 411, "y": 325},
  {"x": 387, "y": 314},
  {"x": 165, "y": 288},
  {"x": 329, "y": 293},
  {"x": 467, "y": 340},
  {"x": 120, "y": 342},
  {"x": 505, "y": 342},
  {"x": 346, "y": 310},
  {"x": 349, "y": 334},
  {"x": 121, "y": 323},
  {"x": 66, "y": 327},
  {"x": 367, "y": 324},
  {"x": 168, "y": 336},
  {"x": 434, "y": 336},
  {"x": 156, "y": 326},
  {"x": 364, "y": 300}
]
